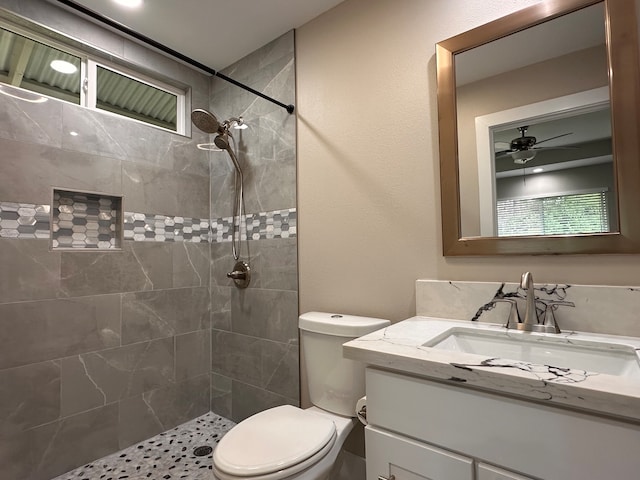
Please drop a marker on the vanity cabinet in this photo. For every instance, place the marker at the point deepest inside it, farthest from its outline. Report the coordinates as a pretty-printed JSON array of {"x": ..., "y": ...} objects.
[
  {"x": 489, "y": 472},
  {"x": 419, "y": 428},
  {"x": 390, "y": 454}
]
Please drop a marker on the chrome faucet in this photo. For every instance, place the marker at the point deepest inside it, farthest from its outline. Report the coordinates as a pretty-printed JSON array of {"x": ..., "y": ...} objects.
[
  {"x": 530, "y": 314},
  {"x": 531, "y": 321}
]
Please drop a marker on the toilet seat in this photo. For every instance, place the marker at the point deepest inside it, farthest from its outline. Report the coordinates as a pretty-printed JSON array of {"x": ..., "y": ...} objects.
[{"x": 274, "y": 444}]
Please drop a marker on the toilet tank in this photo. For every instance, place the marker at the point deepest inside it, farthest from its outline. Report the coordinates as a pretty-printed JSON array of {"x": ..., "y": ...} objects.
[{"x": 335, "y": 383}]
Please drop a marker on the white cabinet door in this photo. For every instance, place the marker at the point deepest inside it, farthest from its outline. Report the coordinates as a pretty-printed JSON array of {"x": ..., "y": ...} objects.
[
  {"x": 489, "y": 472},
  {"x": 391, "y": 454}
]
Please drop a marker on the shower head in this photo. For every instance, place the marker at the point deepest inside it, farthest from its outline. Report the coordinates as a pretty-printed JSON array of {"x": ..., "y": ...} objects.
[
  {"x": 222, "y": 141},
  {"x": 206, "y": 121}
]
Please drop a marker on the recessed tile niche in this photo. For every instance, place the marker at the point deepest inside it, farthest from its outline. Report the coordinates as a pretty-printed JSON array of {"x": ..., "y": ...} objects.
[{"x": 86, "y": 221}]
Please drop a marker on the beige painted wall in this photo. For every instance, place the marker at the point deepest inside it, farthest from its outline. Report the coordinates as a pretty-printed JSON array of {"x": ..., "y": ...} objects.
[{"x": 368, "y": 174}]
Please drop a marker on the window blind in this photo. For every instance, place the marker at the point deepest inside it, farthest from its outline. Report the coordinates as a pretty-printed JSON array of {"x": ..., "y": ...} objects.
[{"x": 553, "y": 215}]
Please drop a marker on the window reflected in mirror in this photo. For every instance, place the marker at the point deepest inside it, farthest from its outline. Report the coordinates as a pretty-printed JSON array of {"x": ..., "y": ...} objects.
[{"x": 555, "y": 177}]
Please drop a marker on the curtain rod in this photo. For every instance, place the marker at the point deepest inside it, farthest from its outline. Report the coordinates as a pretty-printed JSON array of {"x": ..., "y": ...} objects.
[{"x": 163, "y": 48}]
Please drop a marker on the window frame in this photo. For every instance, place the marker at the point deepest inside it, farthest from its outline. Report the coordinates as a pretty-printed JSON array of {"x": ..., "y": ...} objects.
[{"x": 89, "y": 64}]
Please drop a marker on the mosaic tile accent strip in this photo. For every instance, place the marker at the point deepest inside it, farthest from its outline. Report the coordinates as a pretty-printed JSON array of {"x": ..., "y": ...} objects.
[
  {"x": 24, "y": 220},
  {"x": 77, "y": 225},
  {"x": 85, "y": 220},
  {"x": 162, "y": 228},
  {"x": 169, "y": 455},
  {"x": 258, "y": 226}
]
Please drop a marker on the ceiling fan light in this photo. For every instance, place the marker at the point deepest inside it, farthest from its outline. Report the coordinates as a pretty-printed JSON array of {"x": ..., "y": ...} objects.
[{"x": 523, "y": 156}]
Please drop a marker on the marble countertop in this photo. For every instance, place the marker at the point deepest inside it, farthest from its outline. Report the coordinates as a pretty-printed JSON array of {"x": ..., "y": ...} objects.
[{"x": 400, "y": 347}]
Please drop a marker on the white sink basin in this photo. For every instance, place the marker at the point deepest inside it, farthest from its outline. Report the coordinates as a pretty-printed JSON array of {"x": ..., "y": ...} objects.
[{"x": 565, "y": 351}]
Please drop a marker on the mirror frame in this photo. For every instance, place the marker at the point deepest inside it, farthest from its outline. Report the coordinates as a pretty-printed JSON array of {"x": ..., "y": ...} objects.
[{"x": 624, "y": 87}]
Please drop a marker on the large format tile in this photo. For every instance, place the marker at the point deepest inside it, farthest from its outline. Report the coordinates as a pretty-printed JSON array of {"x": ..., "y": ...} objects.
[
  {"x": 275, "y": 263},
  {"x": 221, "y": 262},
  {"x": 163, "y": 313},
  {"x": 33, "y": 332},
  {"x": 119, "y": 137},
  {"x": 95, "y": 379},
  {"x": 29, "y": 396},
  {"x": 145, "y": 188},
  {"x": 158, "y": 410},
  {"x": 190, "y": 264},
  {"x": 221, "y": 307},
  {"x": 269, "y": 365},
  {"x": 34, "y": 270},
  {"x": 139, "y": 266},
  {"x": 248, "y": 400},
  {"x": 30, "y": 171},
  {"x": 221, "y": 184},
  {"x": 193, "y": 354},
  {"x": 280, "y": 369},
  {"x": 237, "y": 356},
  {"x": 30, "y": 122},
  {"x": 271, "y": 314},
  {"x": 221, "y": 389},
  {"x": 271, "y": 187},
  {"x": 44, "y": 452}
]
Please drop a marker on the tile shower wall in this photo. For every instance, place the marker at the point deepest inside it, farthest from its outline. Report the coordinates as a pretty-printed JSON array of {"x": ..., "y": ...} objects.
[
  {"x": 254, "y": 360},
  {"x": 98, "y": 350}
]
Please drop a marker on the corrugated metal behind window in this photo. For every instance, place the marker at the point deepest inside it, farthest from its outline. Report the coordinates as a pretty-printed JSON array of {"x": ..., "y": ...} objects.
[{"x": 116, "y": 93}]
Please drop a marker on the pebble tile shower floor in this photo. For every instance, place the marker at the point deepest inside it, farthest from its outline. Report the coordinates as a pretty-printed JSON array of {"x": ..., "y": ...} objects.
[{"x": 167, "y": 456}]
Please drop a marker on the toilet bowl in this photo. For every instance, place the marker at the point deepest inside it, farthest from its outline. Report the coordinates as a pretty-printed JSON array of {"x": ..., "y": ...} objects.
[{"x": 287, "y": 442}]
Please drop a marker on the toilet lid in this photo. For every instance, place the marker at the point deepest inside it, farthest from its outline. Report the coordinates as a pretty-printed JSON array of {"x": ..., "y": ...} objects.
[{"x": 272, "y": 440}]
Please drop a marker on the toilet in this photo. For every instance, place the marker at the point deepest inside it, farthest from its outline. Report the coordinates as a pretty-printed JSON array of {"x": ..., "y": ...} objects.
[{"x": 287, "y": 442}]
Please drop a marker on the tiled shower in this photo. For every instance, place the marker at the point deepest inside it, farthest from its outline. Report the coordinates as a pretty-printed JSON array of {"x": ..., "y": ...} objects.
[{"x": 103, "y": 345}]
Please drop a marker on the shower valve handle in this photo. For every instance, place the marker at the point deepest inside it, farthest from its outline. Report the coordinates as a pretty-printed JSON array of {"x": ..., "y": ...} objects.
[
  {"x": 237, "y": 275},
  {"x": 241, "y": 274}
]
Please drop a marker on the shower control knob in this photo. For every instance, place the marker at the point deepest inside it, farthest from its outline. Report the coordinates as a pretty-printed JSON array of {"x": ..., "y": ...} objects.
[
  {"x": 390, "y": 477},
  {"x": 241, "y": 274}
]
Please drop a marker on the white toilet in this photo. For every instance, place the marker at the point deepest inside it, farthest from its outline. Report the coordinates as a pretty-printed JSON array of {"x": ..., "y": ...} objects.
[{"x": 287, "y": 442}]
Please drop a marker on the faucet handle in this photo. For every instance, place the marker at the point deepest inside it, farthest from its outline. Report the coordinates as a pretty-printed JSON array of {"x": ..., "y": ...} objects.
[
  {"x": 550, "y": 323},
  {"x": 514, "y": 315}
]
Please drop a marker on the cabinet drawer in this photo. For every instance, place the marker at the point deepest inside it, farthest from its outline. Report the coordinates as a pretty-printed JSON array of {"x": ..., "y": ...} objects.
[
  {"x": 544, "y": 442},
  {"x": 489, "y": 472},
  {"x": 390, "y": 454}
]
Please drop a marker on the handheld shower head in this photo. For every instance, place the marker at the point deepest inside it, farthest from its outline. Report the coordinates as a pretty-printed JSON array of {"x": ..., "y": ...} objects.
[
  {"x": 206, "y": 121},
  {"x": 222, "y": 141}
]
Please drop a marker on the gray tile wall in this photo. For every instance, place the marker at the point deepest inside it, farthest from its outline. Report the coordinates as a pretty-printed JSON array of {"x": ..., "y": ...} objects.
[
  {"x": 98, "y": 350},
  {"x": 254, "y": 353}
]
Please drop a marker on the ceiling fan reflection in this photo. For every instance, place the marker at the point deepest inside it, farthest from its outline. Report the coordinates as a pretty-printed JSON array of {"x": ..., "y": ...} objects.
[{"x": 525, "y": 147}]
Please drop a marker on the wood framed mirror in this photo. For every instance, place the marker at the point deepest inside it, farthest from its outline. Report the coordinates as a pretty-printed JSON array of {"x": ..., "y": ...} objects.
[{"x": 517, "y": 110}]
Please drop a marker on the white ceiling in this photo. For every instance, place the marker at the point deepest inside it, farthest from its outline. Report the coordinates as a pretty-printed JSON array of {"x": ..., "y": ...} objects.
[
  {"x": 570, "y": 33},
  {"x": 214, "y": 32}
]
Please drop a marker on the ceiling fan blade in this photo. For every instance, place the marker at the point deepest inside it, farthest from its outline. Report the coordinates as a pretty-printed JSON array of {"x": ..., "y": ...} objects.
[
  {"x": 553, "y": 138},
  {"x": 567, "y": 147},
  {"x": 502, "y": 146},
  {"x": 503, "y": 153}
]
